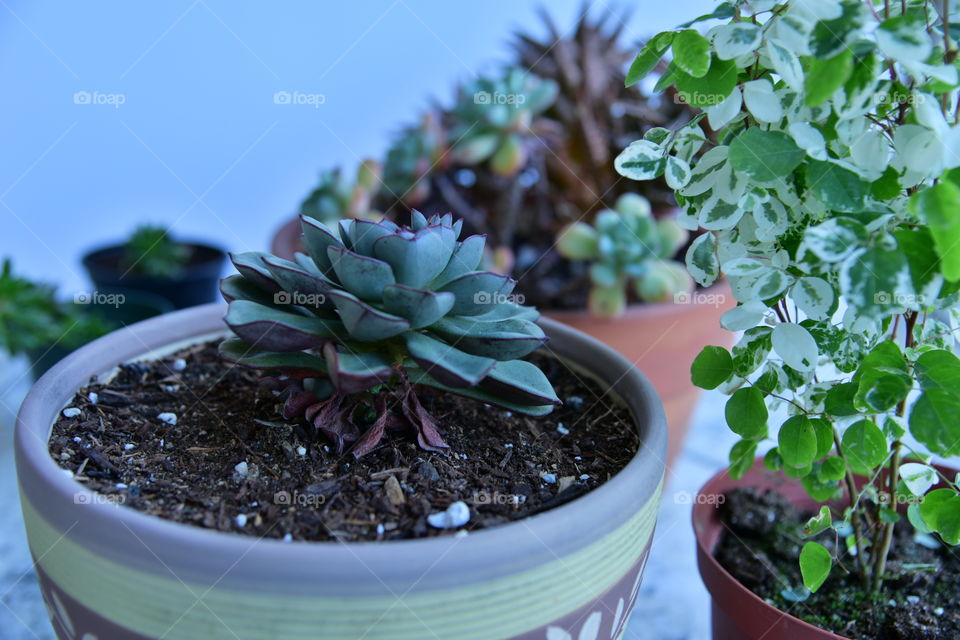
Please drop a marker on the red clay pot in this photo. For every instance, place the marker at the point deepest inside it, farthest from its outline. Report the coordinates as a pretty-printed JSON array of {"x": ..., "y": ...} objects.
[
  {"x": 737, "y": 612},
  {"x": 660, "y": 339}
]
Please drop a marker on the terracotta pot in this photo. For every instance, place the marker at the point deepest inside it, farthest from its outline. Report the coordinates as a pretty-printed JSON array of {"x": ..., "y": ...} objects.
[
  {"x": 662, "y": 340},
  {"x": 113, "y": 573},
  {"x": 737, "y": 612}
]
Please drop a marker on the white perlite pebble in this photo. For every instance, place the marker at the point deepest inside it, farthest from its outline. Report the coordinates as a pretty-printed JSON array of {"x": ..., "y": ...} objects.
[
  {"x": 549, "y": 478},
  {"x": 67, "y": 472},
  {"x": 288, "y": 537},
  {"x": 585, "y": 476},
  {"x": 380, "y": 529},
  {"x": 562, "y": 429},
  {"x": 456, "y": 515},
  {"x": 301, "y": 451},
  {"x": 241, "y": 520},
  {"x": 241, "y": 468},
  {"x": 508, "y": 446},
  {"x": 169, "y": 418},
  {"x": 71, "y": 412},
  {"x": 128, "y": 446},
  {"x": 913, "y": 599},
  {"x": 121, "y": 485},
  {"x": 77, "y": 439},
  {"x": 938, "y": 611},
  {"x": 179, "y": 364},
  {"x": 93, "y": 397}
]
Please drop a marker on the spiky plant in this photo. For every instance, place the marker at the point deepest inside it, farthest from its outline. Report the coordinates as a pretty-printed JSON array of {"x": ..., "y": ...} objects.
[
  {"x": 597, "y": 114},
  {"x": 335, "y": 197},
  {"x": 373, "y": 308},
  {"x": 493, "y": 119},
  {"x": 416, "y": 153},
  {"x": 151, "y": 252},
  {"x": 627, "y": 245}
]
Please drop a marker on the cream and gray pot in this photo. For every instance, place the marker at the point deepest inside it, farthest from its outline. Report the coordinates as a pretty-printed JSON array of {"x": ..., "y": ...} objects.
[{"x": 108, "y": 572}]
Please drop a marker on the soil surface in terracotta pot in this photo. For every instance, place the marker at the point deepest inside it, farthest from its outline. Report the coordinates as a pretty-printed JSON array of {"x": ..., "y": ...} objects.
[
  {"x": 761, "y": 545},
  {"x": 193, "y": 439}
]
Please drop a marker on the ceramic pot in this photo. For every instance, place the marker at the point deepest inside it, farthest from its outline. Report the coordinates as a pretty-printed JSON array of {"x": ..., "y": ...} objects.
[{"x": 108, "y": 572}]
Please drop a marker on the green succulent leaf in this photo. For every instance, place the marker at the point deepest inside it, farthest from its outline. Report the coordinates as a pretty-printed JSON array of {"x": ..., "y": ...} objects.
[
  {"x": 269, "y": 328},
  {"x": 420, "y": 307},
  {"x": 476, "y": 292},
  {"x": 364, "y": 322},
  {"x": 356, "y": 372}
]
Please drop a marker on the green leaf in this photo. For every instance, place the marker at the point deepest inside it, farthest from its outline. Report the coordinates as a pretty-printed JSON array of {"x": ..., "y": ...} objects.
[
  {"x": 521, "y": 382},
  {"x": 940, "y": 510},
  {"x": 814, "y": 296},
  {"x": 691, "y": 53},
  {"x": 702, "y": 262},
  {"x": 795, "y": 346},
  {"x": 764, "y": 156},
  {"x": 712, "y": 88},
  {"x": 835, "y": 239},
  {"x": 736, "y": 39},
  {"x": 772, "y": 460},
  {"x": 356, "y": 372},
  {"x": 819, "y": 488},
  {"x": 824, "y": 77},
  {"x": 797, "y": 442},
  {"x": 818, "y": 523},
  {"x": 648, "y": 58},
  {"x": 815, "y": 565},
  {"x": 824, "y": 432},
  {"x": 935, "y": 421},
  {"x": 924, "y": 264},
  {"x": 872, "y": 280},
  {"x": 905, "y": 38},
  {"x": 882, "y": 393},
  {"x": 641, "y": 160},
  {"x": 864, "y": 446},
  {"x": 838, "y": 188},
  {"x": 742, "y": 455},
  {"x": 917, "y": 477},
  {"x": 746, "y": 414},
  {"x": 445, "y": 363},
  {"x": 840, "y": 398},
  {"x": 939, "y": 205},
  {"x": 269, "y": 328},
  {"x": 751, "y": 350},
  {"x": 833, "y": 469},
  {"x": 830, "y": 37},
  {"x": 711, "y": 367}
]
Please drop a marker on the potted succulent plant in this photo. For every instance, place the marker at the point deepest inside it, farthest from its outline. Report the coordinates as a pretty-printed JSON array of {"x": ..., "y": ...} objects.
[
  {"x": 524, "y": 154},
  {"x": 832, "y": 204},
  {"x": 399, "y": 471},
  {"x": 152, "y": 262}
]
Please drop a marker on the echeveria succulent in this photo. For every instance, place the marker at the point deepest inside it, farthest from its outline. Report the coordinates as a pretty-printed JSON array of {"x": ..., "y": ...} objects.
[
  {"x": 626, "y": 244},
  {"x": 375, "y": 306},
  {"x": 335, "y": 197},
  {"x": 493, "y": 118},
  {"x": 416, "y": 153}
]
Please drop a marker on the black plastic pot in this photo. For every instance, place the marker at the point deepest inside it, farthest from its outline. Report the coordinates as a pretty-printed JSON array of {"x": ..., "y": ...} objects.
[{"x": 197, "y": 284}]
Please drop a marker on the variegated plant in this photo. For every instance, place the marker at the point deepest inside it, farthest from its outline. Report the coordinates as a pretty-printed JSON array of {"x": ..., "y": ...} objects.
[
  {"x": 831, "y": 197},
  {"x": 375, "y": 308},
  {"x": 625, "y": 246}
]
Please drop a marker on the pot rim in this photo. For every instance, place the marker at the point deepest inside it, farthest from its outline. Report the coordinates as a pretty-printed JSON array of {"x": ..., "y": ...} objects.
[
  {"x": 637, "y": 311},
  {"x": 639, "y": 480},
  {"x": 217, "y": 256}
]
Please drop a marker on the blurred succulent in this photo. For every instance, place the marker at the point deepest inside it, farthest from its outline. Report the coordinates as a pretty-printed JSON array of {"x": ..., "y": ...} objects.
[
  {"x": 152, "y": 253},
  {"x": 335, "y": 197},
  {"x": 494, "y": 117},
  {"x": 32, "y": 319},
  {"x": 625, "y": 245},
  {"x": 375, "y": 307},
  {"x": 416, "y": 153}
]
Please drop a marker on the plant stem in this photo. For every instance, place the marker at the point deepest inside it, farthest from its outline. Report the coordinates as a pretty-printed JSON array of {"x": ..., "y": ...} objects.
[
  {"x": 883, "y": 550},
  {"x": 854, "y": 514}
]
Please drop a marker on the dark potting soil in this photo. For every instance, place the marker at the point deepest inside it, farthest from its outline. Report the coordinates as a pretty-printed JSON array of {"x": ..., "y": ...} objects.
[
  {"x": 291, "y": 485},
  {"x": 761, "y": 547}
]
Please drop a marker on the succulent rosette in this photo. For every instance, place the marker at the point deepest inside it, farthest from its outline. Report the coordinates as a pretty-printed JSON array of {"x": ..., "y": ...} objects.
[{"x": 374, "y": 307}]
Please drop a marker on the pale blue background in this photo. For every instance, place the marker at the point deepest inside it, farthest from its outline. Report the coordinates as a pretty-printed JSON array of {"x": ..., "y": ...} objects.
[{"x": 199, "y": 142}]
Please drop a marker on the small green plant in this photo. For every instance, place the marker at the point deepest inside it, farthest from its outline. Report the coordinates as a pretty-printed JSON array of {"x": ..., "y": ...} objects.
[
  {"x": 32, "y": 319},
  {"x": 831, "y": 200},
  {"x": 625, "y": 246},
  {"x": 493, "y": 117},
  {"x": 416, "y": 153},
  {"x": 335, "y": 197},
  {"x": 376, "y": 307},
  {"x": 152, "y": 253}
]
